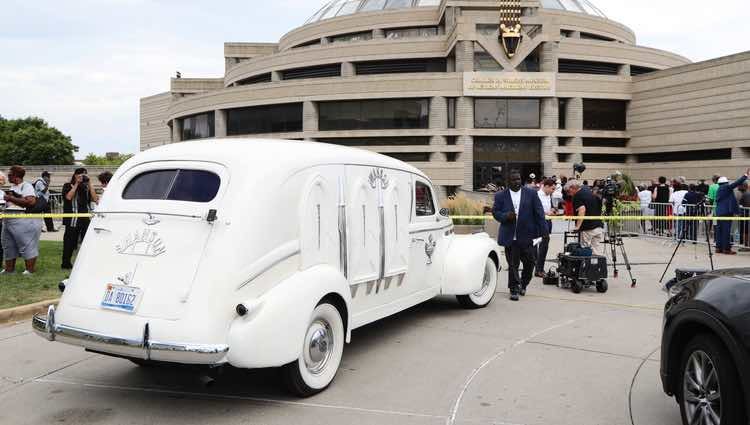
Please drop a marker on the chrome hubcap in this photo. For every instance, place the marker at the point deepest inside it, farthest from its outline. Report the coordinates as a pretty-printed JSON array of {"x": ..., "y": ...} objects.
[
  {"x": 319, "y": 346},
  {"x": 485, "y": 281},
  {"x": 701, "y": 391}
]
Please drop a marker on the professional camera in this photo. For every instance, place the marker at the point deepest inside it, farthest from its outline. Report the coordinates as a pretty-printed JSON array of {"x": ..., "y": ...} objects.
[{"x": 85, "y": 178}]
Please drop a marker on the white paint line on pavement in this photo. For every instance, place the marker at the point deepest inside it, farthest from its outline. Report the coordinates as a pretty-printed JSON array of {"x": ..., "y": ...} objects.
[
  {"x": 632, "y": 384},
  {"x": 235, "y": 397},
  {"x": 451, "y": 420},
  {"x": 14, "y": 336}
]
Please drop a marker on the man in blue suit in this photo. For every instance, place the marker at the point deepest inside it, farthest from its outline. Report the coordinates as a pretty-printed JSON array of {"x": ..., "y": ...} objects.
[
  {"x": 522, "y": 220},
  {"x": 727, "y": 206}
]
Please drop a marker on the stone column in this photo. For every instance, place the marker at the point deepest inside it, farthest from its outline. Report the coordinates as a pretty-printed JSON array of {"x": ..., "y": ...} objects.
[
  {"x": 347, "y": 69},
  {"x": 438, "y": 113},
  {"x": 548, "y": 56},
  {"x": 438, "y": 156},
  {"x": 176, "y": 130},
  {"x": 275, "y": 76},
  {"x": 624, "y": 70},
  {"x": 464, "y": 56},
  {"x": 574, "y": 114},
  {"x": 309, "y": 117},
  {"x": 220, "y": 123},
  {"x": 550, "y": 121},
  {"x": 467, "y": 160}
]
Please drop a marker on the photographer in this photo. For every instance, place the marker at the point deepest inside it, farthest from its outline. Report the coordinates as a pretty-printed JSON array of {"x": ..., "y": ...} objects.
[
  {"x": 20, "y": 236},
  {"x": 79, "y": 194},
  {"x": 585, "y": 204}
]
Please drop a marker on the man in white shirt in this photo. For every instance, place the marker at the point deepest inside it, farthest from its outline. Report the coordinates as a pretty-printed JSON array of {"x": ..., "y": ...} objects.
[
  {"x": 550, "y": 209},
  {"x": 678, "y": 209},
  {"x": 645, "y": 196},
  {"x": 20, "y": 236}
]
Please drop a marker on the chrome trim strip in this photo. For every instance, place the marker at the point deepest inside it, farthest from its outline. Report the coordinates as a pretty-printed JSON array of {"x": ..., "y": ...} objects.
[
  {"x": 271, "y": 260},
  {"x": 45, "y": 328},
  {"x": 381, "y": 211},
  {"x": 343, "y": 249},
  {"x": 413, "y": 232}
]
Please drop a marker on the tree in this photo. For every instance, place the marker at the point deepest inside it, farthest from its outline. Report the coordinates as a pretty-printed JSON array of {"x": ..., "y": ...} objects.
[
  {"x": 31, "y": 141},
  {"x": 109, "y": 159}
]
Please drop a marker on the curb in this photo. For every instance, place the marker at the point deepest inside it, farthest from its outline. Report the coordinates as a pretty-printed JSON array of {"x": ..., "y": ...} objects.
[{"x": 25, "y": 311}]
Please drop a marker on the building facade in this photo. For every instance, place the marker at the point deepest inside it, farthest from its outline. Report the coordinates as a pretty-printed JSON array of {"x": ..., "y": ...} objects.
[{"x": 435, "y": 83}]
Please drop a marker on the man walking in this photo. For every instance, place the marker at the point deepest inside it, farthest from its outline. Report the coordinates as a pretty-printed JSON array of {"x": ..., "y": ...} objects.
[
  {"x": 727, "y": 206},
  {"x": 550, "y": 209},
  {"x": 522, "y": 220}
]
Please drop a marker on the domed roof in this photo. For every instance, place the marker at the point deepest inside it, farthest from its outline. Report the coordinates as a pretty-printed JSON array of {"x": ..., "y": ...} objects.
[{"x": 336, "y": 8}]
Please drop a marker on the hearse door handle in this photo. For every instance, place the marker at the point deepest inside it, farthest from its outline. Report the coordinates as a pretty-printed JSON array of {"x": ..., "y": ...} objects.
[{"x": 101, "y": 229}]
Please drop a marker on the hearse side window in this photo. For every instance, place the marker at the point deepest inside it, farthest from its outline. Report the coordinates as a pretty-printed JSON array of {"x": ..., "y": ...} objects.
[
  {"x": 174, "y": 185},
  {"x": 423, "y": 196}
]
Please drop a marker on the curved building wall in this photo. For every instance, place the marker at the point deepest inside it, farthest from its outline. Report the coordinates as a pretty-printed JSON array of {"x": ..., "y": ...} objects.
[{"x": 589, "y": 107}]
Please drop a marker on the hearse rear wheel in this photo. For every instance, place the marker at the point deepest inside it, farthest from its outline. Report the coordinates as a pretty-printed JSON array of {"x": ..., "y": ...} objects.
[
  {"x": 321, "y": 354},
  {"x": 483, "y": 297}
]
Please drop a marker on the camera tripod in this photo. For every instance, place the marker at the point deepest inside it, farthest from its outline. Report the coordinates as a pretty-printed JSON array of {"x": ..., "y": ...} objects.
[
  {"x": 614, "y": 240},
  {"x": 682, "y": 241}
]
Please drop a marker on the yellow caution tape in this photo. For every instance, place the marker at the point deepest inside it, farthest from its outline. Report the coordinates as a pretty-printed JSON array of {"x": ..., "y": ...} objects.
[
  {"x": 615, "y": 218},
  {"x": 66, "y": 215}
]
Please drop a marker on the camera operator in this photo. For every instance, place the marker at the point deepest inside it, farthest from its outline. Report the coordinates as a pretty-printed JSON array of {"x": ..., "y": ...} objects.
[
  {"x": 79, "y": 194},
  {"x": 585, "y": 204}
]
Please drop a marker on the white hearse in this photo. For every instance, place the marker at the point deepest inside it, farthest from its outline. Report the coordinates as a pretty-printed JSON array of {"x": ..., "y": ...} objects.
[{"x": 261, "y": 253}]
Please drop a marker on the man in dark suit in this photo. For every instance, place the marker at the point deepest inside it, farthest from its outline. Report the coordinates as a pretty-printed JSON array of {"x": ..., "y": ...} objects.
[
  {"x": 522, "y": 220},
  {"x": 727, "y": 206}
]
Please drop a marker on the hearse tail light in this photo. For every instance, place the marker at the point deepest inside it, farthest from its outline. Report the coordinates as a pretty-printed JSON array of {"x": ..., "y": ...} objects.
[{"x": 247, "y": 308}]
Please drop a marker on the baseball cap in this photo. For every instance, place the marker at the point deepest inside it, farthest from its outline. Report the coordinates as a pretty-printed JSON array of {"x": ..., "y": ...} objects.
[{"x": 723, "y": 180}]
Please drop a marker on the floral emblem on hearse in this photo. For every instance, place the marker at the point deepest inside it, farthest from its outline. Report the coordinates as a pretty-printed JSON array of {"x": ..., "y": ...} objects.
[
  {"x": 378, "y": 175},
  {"x": 144, "y": 243}
]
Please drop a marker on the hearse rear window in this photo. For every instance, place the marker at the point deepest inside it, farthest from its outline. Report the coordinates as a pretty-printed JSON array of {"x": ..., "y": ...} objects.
[{"x": 174, "y": 185}]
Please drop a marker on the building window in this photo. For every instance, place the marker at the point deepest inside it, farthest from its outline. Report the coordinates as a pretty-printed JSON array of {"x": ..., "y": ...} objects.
[
  {"x": 483, "y": 61},
  {"x": 284, "y": 118},
  {"x": 321, "y": 71},
  {"x": 604, "y": 158},
  {"x": 451, "y": 140},
  {"x": 604, "y": 143},
  {"x": 682, "y": 156},
  {"x": 401, "y": 66},
  {"x": 451, "y": 156},
  {"x": 410, "y": 156},
  {"x": 530, "y": 63},
  {"x": 590, "y": 36},
  {"x": 378, "y": 141},
  {"x": 315, "y": 42},
  {"x": 600, "y": 114},
  {"x": 411, "y": 32},
  {"x": 640, "y": 70},
  {"x": 451, "y": 112},
  {"x": 563, "y": 157},
  {"x": 356, "y": 36},
  {"x": 380, "y": 114},
  {"x": 258, "y": 79},
  {"x": 570, "y": 66},
  {"x": 199, "y": 126},
  {"x": 495, "y": 157},
  {"x": 562, "y": 113},
  {"x": 506, "y": 113}
]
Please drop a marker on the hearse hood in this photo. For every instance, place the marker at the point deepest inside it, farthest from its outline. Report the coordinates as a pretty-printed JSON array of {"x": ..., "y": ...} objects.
[{"x": 155, "y": 247}]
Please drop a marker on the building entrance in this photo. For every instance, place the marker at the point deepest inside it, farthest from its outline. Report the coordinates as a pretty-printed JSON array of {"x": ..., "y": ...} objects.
[{"x": 495, "y": 157}]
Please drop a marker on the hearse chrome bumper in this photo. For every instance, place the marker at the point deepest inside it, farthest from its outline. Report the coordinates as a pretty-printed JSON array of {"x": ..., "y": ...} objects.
[{"x": 144, "y": 348}]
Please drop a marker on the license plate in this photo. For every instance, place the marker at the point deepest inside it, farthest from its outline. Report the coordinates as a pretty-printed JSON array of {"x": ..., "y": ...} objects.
[{"x": 121, "y": 298}]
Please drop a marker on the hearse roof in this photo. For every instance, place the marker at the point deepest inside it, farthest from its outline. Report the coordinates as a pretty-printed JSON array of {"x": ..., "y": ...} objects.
[{"x": 270, "y": 153}]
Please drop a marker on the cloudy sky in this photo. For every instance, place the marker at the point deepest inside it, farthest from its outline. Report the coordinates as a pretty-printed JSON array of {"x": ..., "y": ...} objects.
[{"x": 83, "y": 64}]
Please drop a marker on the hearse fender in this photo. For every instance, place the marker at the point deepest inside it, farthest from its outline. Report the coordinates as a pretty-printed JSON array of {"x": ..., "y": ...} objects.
[
  {"x": 464, "y": 263},
  {"x": 272, "y": 331}
]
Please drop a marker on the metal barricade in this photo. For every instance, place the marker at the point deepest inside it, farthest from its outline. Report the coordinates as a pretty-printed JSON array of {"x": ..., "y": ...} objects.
[{"x": 744, "y": 228}]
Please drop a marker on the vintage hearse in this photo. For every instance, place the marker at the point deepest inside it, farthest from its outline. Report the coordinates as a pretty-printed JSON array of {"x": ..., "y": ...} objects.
[{"x": 261, "y": 253}]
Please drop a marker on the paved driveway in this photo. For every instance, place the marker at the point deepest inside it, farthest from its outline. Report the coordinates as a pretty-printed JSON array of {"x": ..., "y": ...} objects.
[{"x": 553, "y": 358}]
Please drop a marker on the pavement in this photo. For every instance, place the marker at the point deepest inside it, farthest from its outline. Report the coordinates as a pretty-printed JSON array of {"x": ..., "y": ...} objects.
[{"x": 553, "y": 358}]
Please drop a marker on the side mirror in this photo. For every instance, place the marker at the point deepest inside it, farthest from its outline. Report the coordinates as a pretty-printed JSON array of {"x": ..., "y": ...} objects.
[{"x": 445, "y": 212}]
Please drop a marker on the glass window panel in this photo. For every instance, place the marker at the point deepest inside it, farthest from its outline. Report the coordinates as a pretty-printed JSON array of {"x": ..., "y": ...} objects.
[
  {"x": 591, "y": 8},
  {"x": 483, "y": 61},
  {"x": 523, "y": 113},
  {"x": 317, "y": 14},
  {"x": 490, "y": 113},
  {"x": 283, "y": 118},
  {"x": 194, "y": 186},
  {"x": 423, "y": 200},
  {"x": 552, "y": 4},
  {"x": 373, "y": 114},
  {"x": 429, "y": 2},
  {"x": 602, "y": 114},
  {"x": 349, "y": 8},
  {"x": 397, "y": 4},
  {"x": 451, "y": 112},
  {"x": 373, "y": 5},
  {"x": 150, "y": 185},
  {"x": 200, "y": 126},
  {"x": 571, "y": 5},
  {"x": 331, "y": 12}
]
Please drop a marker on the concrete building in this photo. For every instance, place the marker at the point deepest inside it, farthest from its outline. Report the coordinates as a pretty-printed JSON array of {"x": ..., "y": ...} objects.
[{"x": 436, "y": 83}]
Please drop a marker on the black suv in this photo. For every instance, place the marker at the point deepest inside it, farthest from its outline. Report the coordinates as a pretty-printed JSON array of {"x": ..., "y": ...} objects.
[{"x": 705, "y": 353}]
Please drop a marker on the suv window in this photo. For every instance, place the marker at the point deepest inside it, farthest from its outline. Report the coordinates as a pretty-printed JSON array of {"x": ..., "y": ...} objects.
[
  {"x": 174, "y": 185},
  {"x": 423, "y": 198}
]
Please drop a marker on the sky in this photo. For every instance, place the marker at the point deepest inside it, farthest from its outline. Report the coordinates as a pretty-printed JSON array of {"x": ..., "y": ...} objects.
[{"x": 83, "y": 65}]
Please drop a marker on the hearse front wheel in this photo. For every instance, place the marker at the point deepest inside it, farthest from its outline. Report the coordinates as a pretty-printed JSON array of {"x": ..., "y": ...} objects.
[
  {"x": 482, "y": 298},
  {"x": 321, "y": 354}
]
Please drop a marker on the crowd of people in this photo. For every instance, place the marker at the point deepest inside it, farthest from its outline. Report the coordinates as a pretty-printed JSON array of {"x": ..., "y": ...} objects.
[{"x": 19, "y": 237}]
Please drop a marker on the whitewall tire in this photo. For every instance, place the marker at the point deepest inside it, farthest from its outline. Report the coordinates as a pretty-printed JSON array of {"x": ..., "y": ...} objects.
[
  {"x": 486, "y": 293},
  {"x": 321, "y": 353}
]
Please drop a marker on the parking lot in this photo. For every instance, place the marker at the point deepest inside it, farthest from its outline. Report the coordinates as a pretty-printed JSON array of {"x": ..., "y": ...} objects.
[{"x": 553, "y": 358}]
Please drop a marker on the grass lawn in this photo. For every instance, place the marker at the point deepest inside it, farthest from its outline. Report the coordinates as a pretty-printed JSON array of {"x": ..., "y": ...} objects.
[{"x": 17, "y": 289}]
